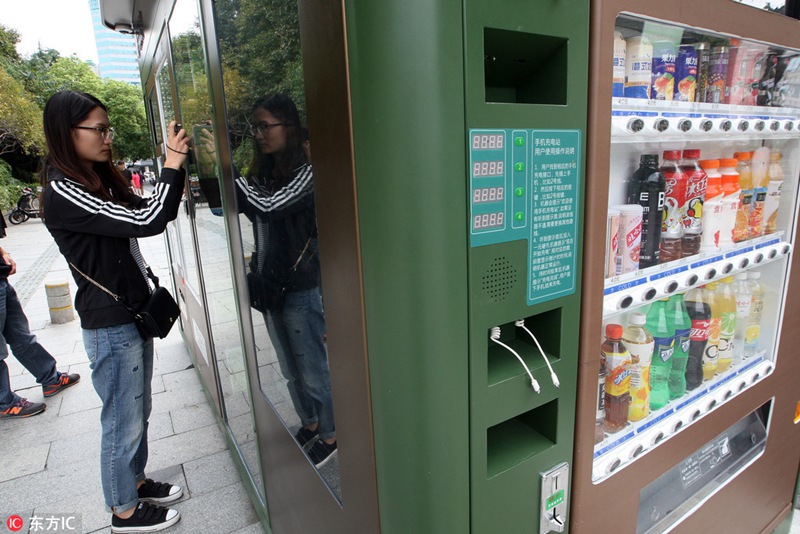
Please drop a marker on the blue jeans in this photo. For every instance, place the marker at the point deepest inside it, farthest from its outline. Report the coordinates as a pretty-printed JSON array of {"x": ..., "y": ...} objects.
[
  {"x": 297, "y": 335},
  {"x": 14, "y": 331},
  {"x": 122, "y": 369}
]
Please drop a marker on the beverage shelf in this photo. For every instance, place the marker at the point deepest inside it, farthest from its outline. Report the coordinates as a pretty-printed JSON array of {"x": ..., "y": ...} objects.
[
  {"x": 639, "y": 120},
  {"x": 623, "y": 448},
  {"x": 629, "y": 291}
]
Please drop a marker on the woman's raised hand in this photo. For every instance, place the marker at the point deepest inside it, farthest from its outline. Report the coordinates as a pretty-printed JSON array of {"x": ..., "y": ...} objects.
[{"x": 177, "y": 146}]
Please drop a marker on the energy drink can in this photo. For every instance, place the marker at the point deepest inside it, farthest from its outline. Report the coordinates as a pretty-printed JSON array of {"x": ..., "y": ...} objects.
[
  {"x": 703, "y": 51},
  {"x": 717, "y": 73},
  {"x": 638, "y": 67},
  {"x": 686, "y": 74},
  {"x": 663, "y": 85}
]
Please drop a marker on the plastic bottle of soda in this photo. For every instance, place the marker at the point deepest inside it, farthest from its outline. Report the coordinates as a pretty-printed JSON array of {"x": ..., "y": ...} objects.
[
  {"x": 618, "y": 379},
  {"x": 674, "y": 203},
  {"x": 753, "y": 331},
  {"x": 640, "y": 344},
  {"x": 741, "y": 231},
  {"x": 700, "y": 314},
  {"x": 730, "y": 200},
  {"x": 659, "y": 324},
  {"x": 683, "y": 326},
  {"x": 773, "y": 200},
  {"x": 712, "y": 207},
  {"x": 727, "y": 323},
  {"x": 741, "y": 289},
  {"x": 647, "y": 188},
  {"x": 600, "y": 418},
  {"x": 710, "y": 357},
  {"x": 696, "y": 184},
  {"x": 760, "y": 166}
]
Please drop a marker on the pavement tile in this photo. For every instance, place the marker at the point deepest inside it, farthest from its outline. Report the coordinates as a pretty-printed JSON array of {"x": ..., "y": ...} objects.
[
  {"x": 192, "y": 417},
  {"x": 185, "y": 447},
  {"x": 231, "y": 511},
  {"x": 210, "y": 473},
  {"x": 31, "y": 459}
]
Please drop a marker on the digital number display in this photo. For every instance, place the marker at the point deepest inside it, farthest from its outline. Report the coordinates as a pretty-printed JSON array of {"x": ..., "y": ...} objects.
[
  {"x": 487, "y": 141},
  {"x": 487, "y": 168},
  {"x": 488, "y": 194},
  {"x": 487, "y": 221}
]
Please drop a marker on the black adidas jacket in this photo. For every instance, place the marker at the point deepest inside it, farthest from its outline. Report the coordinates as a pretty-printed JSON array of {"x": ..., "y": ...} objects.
[
  {"x": 95, "y": 235},
  {"x": 284, "y": 229}
]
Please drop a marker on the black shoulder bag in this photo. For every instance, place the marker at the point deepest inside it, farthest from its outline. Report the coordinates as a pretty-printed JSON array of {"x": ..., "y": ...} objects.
[
  {"x": 157, "y": 315},
  {"x": 267, "y": 294}
]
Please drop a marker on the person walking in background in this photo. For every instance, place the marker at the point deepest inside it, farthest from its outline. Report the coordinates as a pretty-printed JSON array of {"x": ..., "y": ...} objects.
[
  {"x": 14, "y": 331},
  {"x": 126, "y": 173},
  {"x": 95, "y": 220}
]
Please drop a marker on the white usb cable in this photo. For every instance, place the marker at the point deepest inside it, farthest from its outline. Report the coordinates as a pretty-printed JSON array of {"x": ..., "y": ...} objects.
[
  {"x": 521, "y": 323},
  {"x": 495, "y": 336}
]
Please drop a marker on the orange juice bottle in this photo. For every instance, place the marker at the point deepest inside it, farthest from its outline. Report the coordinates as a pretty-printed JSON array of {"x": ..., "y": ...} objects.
[{"x": 741, "y": 231}]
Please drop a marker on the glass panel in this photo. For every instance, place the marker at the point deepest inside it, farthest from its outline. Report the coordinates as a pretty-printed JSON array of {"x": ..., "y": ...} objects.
[
  {"x": 773, "y": 6},
  {"x": 212, "y": 236},
  {"x": 262, "y": 69},
  {"x": 702, "y": 205}
]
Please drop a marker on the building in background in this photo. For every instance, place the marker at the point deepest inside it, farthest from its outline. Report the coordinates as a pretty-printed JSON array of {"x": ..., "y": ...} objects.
[{"x": 116, "y": 51}]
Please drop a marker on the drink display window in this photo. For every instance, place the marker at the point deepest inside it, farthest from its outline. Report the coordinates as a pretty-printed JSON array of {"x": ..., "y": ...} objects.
[{"x": 701, "y": 221}]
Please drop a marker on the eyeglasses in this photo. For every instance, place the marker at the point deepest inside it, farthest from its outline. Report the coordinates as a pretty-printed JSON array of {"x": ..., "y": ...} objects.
[
  {"x": 263, "y": 127},
  {"x": 106, "y": 132}
]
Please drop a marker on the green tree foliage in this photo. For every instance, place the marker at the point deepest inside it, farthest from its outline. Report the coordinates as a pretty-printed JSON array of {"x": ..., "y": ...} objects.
[
  {"x": 260, "y": 47},
  {"x": 10, "y": 188},
  {"x": 20, "y": 119},
  {"x": 126, "y": 113}
]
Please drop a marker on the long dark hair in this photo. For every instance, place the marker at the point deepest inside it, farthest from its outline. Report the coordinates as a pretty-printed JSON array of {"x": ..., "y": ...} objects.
[
  {"x": 278, "y": 169},
  {"x": 62, "y": 112}
]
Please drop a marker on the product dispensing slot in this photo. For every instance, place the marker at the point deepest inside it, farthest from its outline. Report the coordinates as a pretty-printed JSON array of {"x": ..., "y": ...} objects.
[
  {"x": 524, "y": 68},
  {"x": 672, "y": 496},
  {"x": 522, "y": 437},
  {"x": 503, "y": 365}
]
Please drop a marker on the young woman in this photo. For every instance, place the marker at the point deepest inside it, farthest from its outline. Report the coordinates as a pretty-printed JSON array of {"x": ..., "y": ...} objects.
[
  {"x": 278, "y": 197},
  {"x": 95, "y": 220}
]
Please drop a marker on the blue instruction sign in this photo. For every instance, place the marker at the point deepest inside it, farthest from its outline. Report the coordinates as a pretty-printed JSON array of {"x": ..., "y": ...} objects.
[{"x": 555, "y": 179}]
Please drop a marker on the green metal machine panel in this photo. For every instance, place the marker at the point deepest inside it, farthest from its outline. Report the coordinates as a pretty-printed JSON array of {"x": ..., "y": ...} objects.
[
  {"x": 406, "y": 80},
  {"x": 526, "y": 78}
]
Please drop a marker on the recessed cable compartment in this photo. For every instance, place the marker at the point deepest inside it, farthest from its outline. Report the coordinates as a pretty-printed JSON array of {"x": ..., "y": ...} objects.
[{"x": 530, "y": 340}]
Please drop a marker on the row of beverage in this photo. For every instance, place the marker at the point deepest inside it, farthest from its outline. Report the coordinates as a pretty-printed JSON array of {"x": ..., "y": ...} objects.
[
  {"x": 735, "y": 72},
  {"x": 682, "y": 341},
  {"x": 687, "y": 206}
]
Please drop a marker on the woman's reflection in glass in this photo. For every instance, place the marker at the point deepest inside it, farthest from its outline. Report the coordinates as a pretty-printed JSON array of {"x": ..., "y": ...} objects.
[{"x": 277, "y": 196}]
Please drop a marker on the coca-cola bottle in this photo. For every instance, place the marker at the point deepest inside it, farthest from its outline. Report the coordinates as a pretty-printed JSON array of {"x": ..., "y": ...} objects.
[
  {"x": 700, "y": 314},
  {"x": 647, "y": 187}
]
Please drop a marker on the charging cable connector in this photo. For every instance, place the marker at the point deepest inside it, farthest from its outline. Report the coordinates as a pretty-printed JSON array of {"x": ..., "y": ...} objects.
[
  {"x": 495, "y": 336},
  {"x": 553, "y": 376}
]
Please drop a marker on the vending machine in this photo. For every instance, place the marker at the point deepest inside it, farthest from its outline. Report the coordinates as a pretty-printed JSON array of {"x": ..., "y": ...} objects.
[{"x": 687, "y": 396}]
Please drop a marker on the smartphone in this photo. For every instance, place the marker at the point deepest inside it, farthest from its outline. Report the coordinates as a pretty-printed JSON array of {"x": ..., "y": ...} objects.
[{"x": 178, "y": 127}]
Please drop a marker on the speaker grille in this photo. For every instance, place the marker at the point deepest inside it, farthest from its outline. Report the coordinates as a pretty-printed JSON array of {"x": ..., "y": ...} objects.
[{"x": 499, "y": 279}]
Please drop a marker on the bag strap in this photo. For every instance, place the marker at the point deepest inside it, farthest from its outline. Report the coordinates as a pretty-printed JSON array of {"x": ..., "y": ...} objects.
[
  {"x": 116, "y": 297},
  {"x": 300, "y": 257}
]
